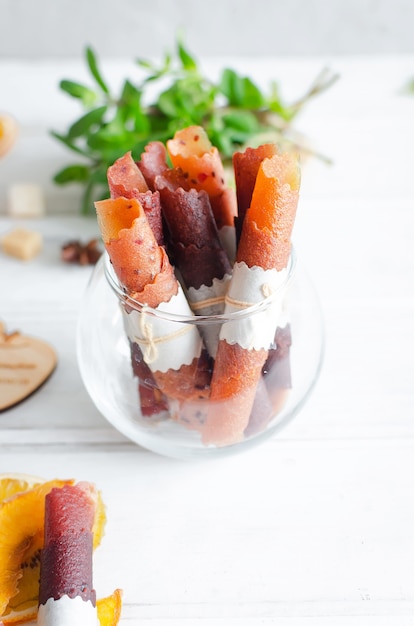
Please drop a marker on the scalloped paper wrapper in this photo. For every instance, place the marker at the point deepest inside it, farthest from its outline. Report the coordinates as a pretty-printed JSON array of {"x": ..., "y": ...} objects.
[
  {"x": 164, "y": 344},
  {"x": 210, "y": 300},
  {"x": 250, "y": 286},
  {"x": 67, "y": 612}
]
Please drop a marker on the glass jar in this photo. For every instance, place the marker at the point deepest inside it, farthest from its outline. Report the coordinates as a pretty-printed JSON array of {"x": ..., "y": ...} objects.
[{"x": 188, "y": 410}]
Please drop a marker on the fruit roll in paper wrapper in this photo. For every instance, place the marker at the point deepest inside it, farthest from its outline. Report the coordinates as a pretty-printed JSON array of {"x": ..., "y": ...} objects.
[
  {"x": 66, "y": 594},
  {"x": 260, "y": 270},
  {"x": 276, "y": 370},
  {"x": 172, "y": 350},
  {"x": 126, "y": 180},
  {"x": 197, "y": 250},
  {"x": 192, "y": 152}
]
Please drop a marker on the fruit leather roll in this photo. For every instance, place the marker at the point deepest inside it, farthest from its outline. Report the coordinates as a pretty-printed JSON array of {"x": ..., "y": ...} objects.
[
  {"x": 170, "y": 348},
  {"x": 197, "y": 250},
  {"x": 260, "y": 270},
  {"x": 246, "y": 166},
  {"x": 277, "y": 367},
  {"x": 126, "y": 180},
  {"x": 153, "y": 162},
  {"x": 192, "y": 152},
  {"x": 66, "y": 594}
]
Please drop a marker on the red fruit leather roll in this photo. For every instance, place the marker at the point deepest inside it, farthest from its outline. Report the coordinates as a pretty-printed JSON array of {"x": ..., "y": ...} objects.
[
  {"x": 66, "y": 587},
  {"x": 260, "y": 270},
  {"x": 153, "y": 162},
  {"x": 192, "y": 152},
  {"x": 197, "y": 251},
  {"x": 171, "y": 350},
  {"x": 125, "y": 179},
  {"x": 193, "y": 234},
  {"x": 152, "y": 400}
]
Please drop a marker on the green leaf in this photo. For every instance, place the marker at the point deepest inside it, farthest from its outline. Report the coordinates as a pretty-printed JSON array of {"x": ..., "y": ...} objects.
[
  {"x": 155, "y": 72},
  {"x": 241, "y": 91},
  {"x": 72, "y": 174},
  {"x": 87, "y": 198},
  {"x": 167, "y": 103},
  {"x": 144, "y": 63},
  {"x": 276, "y": 105},
  {"x": 93, "y": 66},
  {"x": 69, "y": 144},
  {"x": 187, "y": 60},
  {"x": 84, "y": 124},
  {"x": 77, "y": 90},
  {"x": 244, "y": 121},
  {"x": 130, "y": 93},
  {"x": 252, "y": 96},
  {"x": 231, "y": 86}
]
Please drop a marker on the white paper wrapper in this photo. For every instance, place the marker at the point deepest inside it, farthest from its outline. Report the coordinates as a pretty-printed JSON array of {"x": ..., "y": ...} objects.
[
  {"x": 210, "y": 301},
  {"x": 67, "y": 612},
  {"x": 248, "y": 286},
  {"x": 164, "y": 344}
]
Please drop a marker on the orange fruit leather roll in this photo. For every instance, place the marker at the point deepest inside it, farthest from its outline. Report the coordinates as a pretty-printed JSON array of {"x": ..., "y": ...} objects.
[
  {"x": 144, "y": 270},
  {"x": 276, "y": 370},
  {"x": 246, "y": 166},
  {"x": 265, "y": 243},
  {"x": 137, "y": 259},
  {"x": 192, "y": 152}
]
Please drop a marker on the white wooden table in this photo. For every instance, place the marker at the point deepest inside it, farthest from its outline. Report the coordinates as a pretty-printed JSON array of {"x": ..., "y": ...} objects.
[{"x": 315, "y": 526}]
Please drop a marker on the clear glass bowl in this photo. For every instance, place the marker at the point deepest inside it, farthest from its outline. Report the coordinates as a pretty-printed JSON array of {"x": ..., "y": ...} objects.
[{"x": 128, "y": 394}]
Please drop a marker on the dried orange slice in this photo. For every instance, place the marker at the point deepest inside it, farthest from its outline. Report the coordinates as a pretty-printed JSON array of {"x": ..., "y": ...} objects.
[
  {"x": 109, "y": 609},
  {"x": 8, "y": 133},
  {"x": 21, "y": 540},
  {"x": 11, "y": 484},
  {"x": 100, "y": 521}
]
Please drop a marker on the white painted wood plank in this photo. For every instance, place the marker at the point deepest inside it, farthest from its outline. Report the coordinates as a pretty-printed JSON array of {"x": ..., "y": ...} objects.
[{"x": 315, "y": 526}]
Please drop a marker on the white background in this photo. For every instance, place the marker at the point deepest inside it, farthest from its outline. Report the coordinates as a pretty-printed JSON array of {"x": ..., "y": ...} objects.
[{"x": 46, "y": 28}]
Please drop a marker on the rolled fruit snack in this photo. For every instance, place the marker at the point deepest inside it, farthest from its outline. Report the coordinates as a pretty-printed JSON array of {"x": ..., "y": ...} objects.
[
  {"x": 126, "y": 180},
  {"x": 276, "y": 370},
  {"x": 196, "y": 249},
  {"x": 260, "y": 270},
  {"x": 66, "y": 595},
  {"x": 153, "y": 162},
  {"x": 173, "y": 350},
  {"x": 192, "y": 152},
  {"x": 246, "y": 166}
]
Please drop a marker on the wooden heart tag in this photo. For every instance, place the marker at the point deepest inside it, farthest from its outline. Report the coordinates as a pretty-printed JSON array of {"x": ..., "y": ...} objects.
[{"x": 25, "y": 364}]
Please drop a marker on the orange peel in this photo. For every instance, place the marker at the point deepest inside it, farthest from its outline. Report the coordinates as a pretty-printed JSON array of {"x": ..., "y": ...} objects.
[
  {"x": 14, "y": 483},
  {"x": 109, "y": 608}
]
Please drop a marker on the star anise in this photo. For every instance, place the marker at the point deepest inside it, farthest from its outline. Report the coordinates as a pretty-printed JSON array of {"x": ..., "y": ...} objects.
[{"x": 75, "y": 251}]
